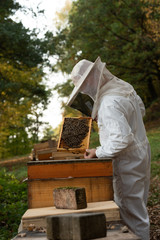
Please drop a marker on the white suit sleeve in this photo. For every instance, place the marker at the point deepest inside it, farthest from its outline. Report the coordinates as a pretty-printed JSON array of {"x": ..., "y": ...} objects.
[
  {"x": 141, "y": 105},
  {"x": 114, "y": 132}
]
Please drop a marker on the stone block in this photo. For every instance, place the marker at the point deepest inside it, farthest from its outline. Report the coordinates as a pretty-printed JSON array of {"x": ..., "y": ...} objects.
[
  {"x": 70, "y": 198},
  {"x": 76, "y": 226}
]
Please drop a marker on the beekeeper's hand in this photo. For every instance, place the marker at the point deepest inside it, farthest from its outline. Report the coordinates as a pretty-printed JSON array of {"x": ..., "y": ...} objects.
[{"x": 90, "y": 153}]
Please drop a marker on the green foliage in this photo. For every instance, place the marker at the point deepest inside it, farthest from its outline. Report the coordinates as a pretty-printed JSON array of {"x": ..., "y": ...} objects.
[
  {"x": 94, "y": 140},
  {"x": 64, "y": 89},
  {"x": 48, "y": 133},
  {"x": 13, "y": 204},
  {"x": 19, "y": 170},
  {"x": 8, "y": 7},
  {"x": 57, "y": 131},
  {"x": 153, "y": 113},
  {"x": 122, "y": 34},
  {"x": 154, "y": 139},
  {"x": 23, "y": 95}
]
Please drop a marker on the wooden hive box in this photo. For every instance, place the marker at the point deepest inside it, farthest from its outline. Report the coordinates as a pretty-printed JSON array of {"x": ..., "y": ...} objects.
[
  {"x": 44, "y": 154},
  {"x": 56, "y": 155},
  {"x": 53, "y": 154},
  {"x": 43, "y": 151},
  {"x": 73, "y": 132},
  {"x": 95, "y": 175}
]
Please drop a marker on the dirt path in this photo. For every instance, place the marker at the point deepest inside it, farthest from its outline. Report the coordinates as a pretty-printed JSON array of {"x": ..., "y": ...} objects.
[
  {"x": 12, "y": 162},
  {"x": 154, "y": 208}
]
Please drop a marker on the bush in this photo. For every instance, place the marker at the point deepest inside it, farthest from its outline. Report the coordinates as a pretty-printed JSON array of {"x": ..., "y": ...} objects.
[
  {"x": 13, "y": 204},
  {"x": 153, "y": 113}
]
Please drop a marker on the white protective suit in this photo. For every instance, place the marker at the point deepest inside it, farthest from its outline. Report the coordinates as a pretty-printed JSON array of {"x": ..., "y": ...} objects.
[{"x": 122, "y": 136}]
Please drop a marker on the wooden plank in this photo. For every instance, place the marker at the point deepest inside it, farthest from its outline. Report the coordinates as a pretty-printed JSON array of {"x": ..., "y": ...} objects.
[
  {"x": 72, "y": 168},
  {"x": 40, "y": 192},
  {"x": 46, "y": 150},
  {"x": 39, "y": 146},
  {"x": 45, "y": 154},
  {"x": 66, "y": 155},
  {"x": 52, "y": 153},
  {"x": 47, "y": 144},
  {"x": 37, "y": 216}
]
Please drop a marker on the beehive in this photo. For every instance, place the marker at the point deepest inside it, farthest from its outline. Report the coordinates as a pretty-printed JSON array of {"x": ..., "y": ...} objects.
[
  {"x": 95, "y": 175},
  {"x": 75, "y": 134}
]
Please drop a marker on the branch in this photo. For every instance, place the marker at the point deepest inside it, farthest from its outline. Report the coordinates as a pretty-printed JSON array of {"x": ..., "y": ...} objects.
[
  {"x": 115, "y": 14},
  {"x": 127, "y": 40}
]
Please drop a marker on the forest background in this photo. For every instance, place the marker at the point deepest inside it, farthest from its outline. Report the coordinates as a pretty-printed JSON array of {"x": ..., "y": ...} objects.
[{"x": 125, "y": 34}]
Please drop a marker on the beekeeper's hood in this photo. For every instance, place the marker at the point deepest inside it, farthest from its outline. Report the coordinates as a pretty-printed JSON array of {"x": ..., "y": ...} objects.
[{"x": 95, "y": 80}]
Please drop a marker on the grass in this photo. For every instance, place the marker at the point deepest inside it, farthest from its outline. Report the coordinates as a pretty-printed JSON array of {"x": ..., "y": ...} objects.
[
  {"x": 154, "y": 139},
  {"x": 19, "y": 171}
]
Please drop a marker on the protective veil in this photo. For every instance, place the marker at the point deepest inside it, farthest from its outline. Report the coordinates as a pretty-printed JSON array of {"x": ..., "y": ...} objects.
[{"x": 122, "y": 136}]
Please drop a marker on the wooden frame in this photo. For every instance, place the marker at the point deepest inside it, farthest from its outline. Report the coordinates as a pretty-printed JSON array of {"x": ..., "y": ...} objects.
[{"x": 85, "y": 143}]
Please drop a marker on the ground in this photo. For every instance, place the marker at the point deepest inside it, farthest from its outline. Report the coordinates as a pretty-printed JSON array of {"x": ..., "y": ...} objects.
[
  {"x": 153, "y": 127},
  {"x": 154, "y": 209}
]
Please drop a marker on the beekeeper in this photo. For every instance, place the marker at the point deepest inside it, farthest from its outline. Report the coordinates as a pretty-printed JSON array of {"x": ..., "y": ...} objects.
[{"x": 119, "y": 112}]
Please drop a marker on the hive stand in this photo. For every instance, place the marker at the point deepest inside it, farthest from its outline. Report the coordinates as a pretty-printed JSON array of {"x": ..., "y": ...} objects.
[
  {"x": 93, "y": 174},
  {"x": 112, "y": 234}
]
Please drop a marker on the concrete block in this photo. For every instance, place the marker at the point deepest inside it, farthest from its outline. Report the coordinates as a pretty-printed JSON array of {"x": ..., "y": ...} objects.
[
  {"x": 81, "y": 226},
  {"x": 69, "y": 198}
]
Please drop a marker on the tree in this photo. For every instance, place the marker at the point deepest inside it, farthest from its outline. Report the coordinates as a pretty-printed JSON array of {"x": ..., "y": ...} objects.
[
  {"x": 61, "y": 19},
  {"x": 22, "y": 58},
  {"x": 122, "y": 33},
  {"x": 48, "y": 133}
]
